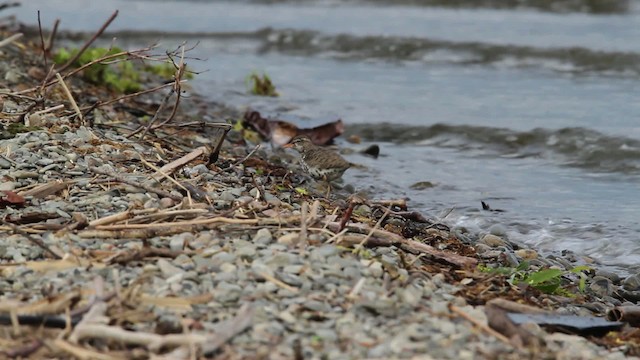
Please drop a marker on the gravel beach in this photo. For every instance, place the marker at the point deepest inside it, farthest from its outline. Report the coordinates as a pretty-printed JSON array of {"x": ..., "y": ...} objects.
[{"x": 110, "y": 256}]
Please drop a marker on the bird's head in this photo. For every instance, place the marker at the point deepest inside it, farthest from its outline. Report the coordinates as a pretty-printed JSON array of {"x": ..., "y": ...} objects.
[{"x": 300, "y": 143}]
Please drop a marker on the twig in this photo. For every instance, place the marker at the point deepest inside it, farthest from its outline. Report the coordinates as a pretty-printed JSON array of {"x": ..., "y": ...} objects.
[
  {"x": 32, "y": 239},
  {"x": 52, "y": 36},
  {"x": 49, "y": 109},
  {"x": 161, "y": 107},
  {"x": 44, "y": 51},
  {"x": 10, "y": 39},
  {"x": 377, "y": 226},
  {"x": 477, "y": 323},
  {"x": 279, "y": 282},
  {"x": 122, "y": 179},
  {"x": 98, "y": 104},
  {"x": 80, "y": 352},
  {"x": 178, "y": 163},
  {"x": 303, "y": 225},
  {"x": 256, "y": 148},
  {"x": 88, "y": 43},
  {"x": 70, "y": 97},
  {"x": 111, "y": 219}
]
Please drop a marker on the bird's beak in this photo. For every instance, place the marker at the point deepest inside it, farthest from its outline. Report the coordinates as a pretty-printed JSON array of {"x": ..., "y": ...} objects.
[{"x": 287, "y": 146}]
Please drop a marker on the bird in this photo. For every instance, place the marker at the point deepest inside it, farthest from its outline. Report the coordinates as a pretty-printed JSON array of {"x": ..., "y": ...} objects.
[{"x": 319, "y": 162}]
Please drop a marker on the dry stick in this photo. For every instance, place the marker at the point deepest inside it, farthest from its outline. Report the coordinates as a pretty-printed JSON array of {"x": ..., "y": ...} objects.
[
  {"x": 161, "y": 107},
  {"x": 10, "y": 39},
  {"x": 477, "y": 323},
  {"x": 70, "y": 97},
  {"x": 178, "y": 89},
  {"x": 303, "y": 225},
  {"x": 178, "y": 163},
  {"x": 88, "y": 43},
  {"x": 111, "y": 219},
  {"x": 52, "y": 36},
  {"x": 243, "y": 159},
  {"x": 80, "y": 352},
  {"x": 377, "y": 226},
  {"x": 98, "y": 104},
  {"x": 122, "y": 179},
  {"x": 49, "y": 109},
  {"x": 32, "y": 239},
  {"x": 278, "y": 282},
  {"x": 179, "y": 223},
  {"x": 44, "y": 51},
  {"x": 189, "y": 198},
  {"x": 175, "y": 89}
]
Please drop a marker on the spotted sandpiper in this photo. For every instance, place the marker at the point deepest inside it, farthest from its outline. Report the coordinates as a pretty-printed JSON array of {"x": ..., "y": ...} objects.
[{"x": 321, "y": 163}]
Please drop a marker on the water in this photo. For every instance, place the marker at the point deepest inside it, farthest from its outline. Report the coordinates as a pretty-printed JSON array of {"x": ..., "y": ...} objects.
[{"x": 532, "y": 108}]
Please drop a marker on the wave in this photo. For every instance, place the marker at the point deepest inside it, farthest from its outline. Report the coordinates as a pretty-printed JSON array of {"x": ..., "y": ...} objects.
[
  {"x": 573, "y": 60},
  {"x": 349, "y": 47},
  {"x": 575, "y": 147}
]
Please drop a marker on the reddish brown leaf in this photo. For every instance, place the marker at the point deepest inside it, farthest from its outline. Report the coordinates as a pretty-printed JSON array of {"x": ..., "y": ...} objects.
[{"x": 9, "y": 198}]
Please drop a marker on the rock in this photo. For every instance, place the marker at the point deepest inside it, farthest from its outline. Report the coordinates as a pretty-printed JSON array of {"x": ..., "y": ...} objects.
[
  {"x": 263, "y": 236},
  {"x": 493, "y": 240},
  {"x": 289, "y": 238},
  {"x": 601, "y": 286},
  {"x": 176, "y": 243},
  {"x": 168, "y": 269},
  {"x": 526, "y": 254},
  {"x": 632, "y": 283},
  {"x": 615, "y": 278},
  {"x": 165, "y": 203},
  {"x": 362, "y": 210}
]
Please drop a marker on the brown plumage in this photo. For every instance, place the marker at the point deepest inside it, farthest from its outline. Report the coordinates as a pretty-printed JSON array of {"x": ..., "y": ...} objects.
[{"x": 319, "y": 162}]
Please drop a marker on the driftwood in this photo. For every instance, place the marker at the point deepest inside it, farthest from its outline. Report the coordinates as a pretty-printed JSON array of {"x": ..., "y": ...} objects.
[
  {"x": 628, "y": 313},
  {"x": 380, "y": 237}
]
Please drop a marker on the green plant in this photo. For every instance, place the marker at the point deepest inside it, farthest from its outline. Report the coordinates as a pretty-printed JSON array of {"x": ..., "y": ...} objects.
[
  {"x": 261, "y": 85},
  {"x": 549, "y": 281},
  {"x": 120, "y": 75}
]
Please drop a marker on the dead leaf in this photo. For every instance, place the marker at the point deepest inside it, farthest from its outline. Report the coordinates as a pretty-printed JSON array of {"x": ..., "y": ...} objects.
[{"x": 9, "y": 198}]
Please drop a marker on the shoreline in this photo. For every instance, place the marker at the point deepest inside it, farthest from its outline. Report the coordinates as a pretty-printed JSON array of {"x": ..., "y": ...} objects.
[{"x": 185, "y": 256}]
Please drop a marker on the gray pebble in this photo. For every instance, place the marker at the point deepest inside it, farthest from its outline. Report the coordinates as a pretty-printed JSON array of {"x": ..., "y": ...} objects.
[{"x": 263, "y": 236}]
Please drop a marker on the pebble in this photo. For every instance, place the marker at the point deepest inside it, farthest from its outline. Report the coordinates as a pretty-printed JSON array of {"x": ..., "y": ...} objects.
[
  {"x": 526, "y": 254},
  {"x": 601, "y": 286},
  {"x": 631, "y": 283},
  {"x": 263, "y": 236},
  {"x": 493, "y": 240}
]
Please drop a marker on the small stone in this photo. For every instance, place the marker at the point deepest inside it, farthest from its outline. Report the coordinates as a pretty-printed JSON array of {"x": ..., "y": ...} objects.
[
  {"x": 22, "y": 174},
  {"x": 222, "y": 257},
  {"x": 632, "y": 283},
  {"x": 198, "y": 170},
  {"x": 245, "y": 249},
  {"x": 177, "y": 243},
  {"x": 493, "y": 240},
  {"x": 615, "y": 278},
  {"x": 362, "y": 210},
  {"x": 165, "y": 203},
  {"x": 226, "y": 292},
  {"x": 168, "y": 270},
  {"x": 228, "y": 268},
  {"x": 7, "y": 186},
  {"x": 288, "y": 239},
  {"x": 226, "y": 196},
  {"x": 263, "y": 236},
  {"x": 601, "y": 286},
  {"x": 527, "y": 254}
]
